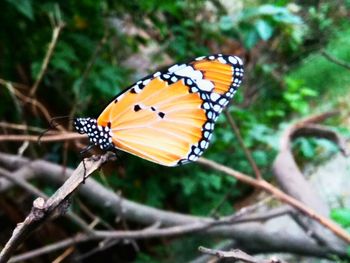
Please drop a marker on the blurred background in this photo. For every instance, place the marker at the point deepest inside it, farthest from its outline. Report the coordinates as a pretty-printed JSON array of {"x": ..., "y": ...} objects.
[{"x": 297, "y": 63}]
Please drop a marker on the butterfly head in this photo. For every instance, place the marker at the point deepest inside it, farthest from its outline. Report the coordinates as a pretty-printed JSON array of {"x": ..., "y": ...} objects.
[{"x": 98, "y": 135}]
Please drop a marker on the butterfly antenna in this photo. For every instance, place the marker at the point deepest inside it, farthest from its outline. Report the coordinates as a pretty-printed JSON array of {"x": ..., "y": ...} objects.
[{"x": 53, "y": 124}]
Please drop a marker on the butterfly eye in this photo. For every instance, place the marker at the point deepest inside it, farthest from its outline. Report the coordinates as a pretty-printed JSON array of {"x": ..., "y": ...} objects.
[{"x": 168, "y": 117}]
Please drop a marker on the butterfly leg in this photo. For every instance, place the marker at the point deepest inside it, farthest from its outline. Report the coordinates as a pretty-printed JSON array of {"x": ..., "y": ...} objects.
[{"x": 82, "y": 152}]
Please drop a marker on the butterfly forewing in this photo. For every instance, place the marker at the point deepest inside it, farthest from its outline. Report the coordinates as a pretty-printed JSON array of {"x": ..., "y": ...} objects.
[{"x": 168, "y": 118}]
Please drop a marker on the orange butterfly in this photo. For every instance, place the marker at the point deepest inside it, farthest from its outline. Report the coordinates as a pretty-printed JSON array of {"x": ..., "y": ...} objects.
[{"x": 168, "y": 117}]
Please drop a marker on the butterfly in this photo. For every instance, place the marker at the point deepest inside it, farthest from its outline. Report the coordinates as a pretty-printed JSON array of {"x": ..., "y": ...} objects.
[{"x": 167, "y": 117}]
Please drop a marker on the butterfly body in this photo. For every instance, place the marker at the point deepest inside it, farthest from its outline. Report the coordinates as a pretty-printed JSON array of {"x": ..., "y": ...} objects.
[{"x": 168, "y": 117}]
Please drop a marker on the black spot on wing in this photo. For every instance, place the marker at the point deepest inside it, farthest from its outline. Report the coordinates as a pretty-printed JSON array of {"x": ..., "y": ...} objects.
[{"x": 137, "y": 108}]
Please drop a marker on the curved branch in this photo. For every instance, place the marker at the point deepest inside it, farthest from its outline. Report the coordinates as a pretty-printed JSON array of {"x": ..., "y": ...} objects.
[
  {"x": 287, "y": 172},
  {"x": 291, "y": 179}
]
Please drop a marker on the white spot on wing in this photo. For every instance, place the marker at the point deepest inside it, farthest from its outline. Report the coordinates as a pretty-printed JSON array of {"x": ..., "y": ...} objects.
[
  {"x": 233, "y": 60},
  {"x": 137, "y": 89},
  {"x": 217, "y": 108},
  {"x": 206, "y": 106},
  {"x": 192, "y": 157},
  {"x": 190, "y": 73},
  {"x": 176, "y": 68},
  {"x": 200, "y": 58},
  {"x": 222, "y": 60},
  {"x": 214, "y": 96},
  {"x": 239, "y": 61},
  {"x": 146, "y": 81},
  {"x": 222, "y": 101},
  {"x": 205, "y": 85}
]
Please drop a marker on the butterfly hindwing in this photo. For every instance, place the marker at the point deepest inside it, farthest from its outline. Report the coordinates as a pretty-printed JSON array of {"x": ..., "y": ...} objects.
[{"x": 169, "y": 117}]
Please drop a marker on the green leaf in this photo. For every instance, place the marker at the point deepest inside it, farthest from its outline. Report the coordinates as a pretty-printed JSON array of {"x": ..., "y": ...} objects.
[
  {"x": 23, "y": 6},
  {"x": 188, "y": 185},
  {"x": 250, "y": 39},
  {"x": 215, "y": 181},
  {"x": 260, "y": 157},
  {"x": 225, "y": 23},
  {"x": 287, "y": 18},
  {"x": 342, "y": 216},
  {"x": 61, "y": 64},
  {"x": 327, "y": 145},
  {"x": 307, "y": 148},
  {"x": 308, "y": 92},
  {"x": 270, "y": 9},
  {"x": 264, "y": 29}
]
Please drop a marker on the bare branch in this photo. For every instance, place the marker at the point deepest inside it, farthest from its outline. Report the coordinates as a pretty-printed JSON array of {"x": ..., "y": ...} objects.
[
  {"x": 264, "y": 185},
  {"x": 335, "y": 60},
  {"x": 16, "y": 178},
  {"x": 56, "y": 203},
  {"x": 149, "y": 232},
  {"x": 241, "y": 143},
  {"x": 235, "y": 255},
  {"x": 255, "y": 236}
]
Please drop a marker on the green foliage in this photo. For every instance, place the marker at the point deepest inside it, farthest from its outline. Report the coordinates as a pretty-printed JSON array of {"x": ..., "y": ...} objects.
[
  {"x": 342, "y": 216},
  {"x": 296, "y": 96},
  {"x": 323, "y": 75},
  {"x": 25, "y": 7},
  {"x": 262, "y": 23}
]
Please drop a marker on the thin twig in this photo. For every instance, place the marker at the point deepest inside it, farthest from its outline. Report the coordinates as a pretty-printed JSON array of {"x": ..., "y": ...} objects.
[
  {"x": 241, "y": 142},
  {"x": 55, "y": 33},
  {"x": 15, "y": 84},
  {"x": 264, "y": 185},
  {"x": 93, "y": 58},
  {"x": 248, "y": 155},
  {"x": 67, "y": 136},
  {"x": 34, "y": 102},
  {"x": 235, "y": 255},
  {"x": 335, "y": 60},
  {"x": 22, "y": 127},
  {"x": 63, "y": 256},
  {"x": 17, "y": 180},
  {"x": 88, "y": 69}
]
